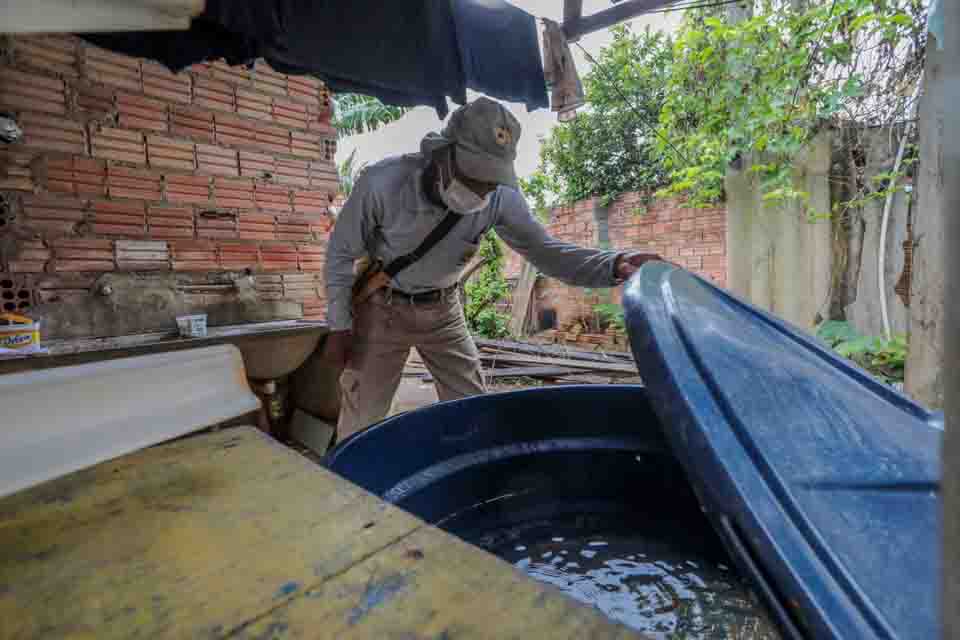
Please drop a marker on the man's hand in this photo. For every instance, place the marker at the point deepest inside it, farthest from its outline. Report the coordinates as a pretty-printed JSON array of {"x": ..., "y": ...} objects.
[
  {"x": 628, "y": 263},
  {"x": 337, "y": 348}
]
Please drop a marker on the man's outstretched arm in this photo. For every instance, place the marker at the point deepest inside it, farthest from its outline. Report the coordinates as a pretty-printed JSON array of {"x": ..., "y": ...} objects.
[{"x": 570, "y": 263}]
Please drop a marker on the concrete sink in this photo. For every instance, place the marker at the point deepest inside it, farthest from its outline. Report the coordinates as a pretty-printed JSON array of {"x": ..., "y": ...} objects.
[{"x": 270, "y": 357}]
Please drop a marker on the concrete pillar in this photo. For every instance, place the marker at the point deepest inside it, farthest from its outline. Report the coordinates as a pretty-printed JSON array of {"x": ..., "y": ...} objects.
[
  {"x": 739, "y": 190},
  {"x": 601, "y": 240},
  {"x": 762, "y": 253},
  {"x": 925, "y": 360},
  {"x": 739, "y": 223},
  {"x": 951, "y": 199},
  {"x": 806, "y": 258},
  {"x": 820, "y": 244},
  {"x": 777, "y": 257},
  {"x": 601, "y": 224}
]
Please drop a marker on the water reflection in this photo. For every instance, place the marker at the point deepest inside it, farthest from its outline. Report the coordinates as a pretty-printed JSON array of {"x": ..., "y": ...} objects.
[{"x": 664, "y": 593}]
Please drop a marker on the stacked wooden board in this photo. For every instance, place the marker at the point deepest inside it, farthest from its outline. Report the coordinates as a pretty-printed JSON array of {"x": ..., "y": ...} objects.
[{"x": 505, "y": 360}]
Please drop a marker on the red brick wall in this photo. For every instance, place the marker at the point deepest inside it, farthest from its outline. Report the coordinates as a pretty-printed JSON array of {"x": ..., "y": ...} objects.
[
  {"x": 125, "y": 166},
  {"x": 693, "y": 238}
]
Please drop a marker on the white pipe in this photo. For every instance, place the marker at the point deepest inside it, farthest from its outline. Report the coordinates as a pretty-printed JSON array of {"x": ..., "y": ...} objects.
[{"x": 887, "y": 206}]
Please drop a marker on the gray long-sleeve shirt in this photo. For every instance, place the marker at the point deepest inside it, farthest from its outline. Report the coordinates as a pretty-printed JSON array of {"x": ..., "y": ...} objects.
[{"x": 387, "y": 215}]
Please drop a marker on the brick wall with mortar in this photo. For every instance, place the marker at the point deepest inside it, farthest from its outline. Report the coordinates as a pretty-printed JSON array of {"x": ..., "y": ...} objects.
[
  {"x": 125, "y": 167},
  {"x": 693, "y": 238}
]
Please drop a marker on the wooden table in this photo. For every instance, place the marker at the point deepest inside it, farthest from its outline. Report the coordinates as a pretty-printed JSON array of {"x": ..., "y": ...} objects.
[{"x": 230, "y": 534}]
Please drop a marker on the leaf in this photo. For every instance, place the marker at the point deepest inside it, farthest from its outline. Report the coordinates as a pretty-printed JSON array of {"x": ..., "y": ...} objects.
[
  {"x": 835, "y": 331},
  {"x": 718, "y": 91},
  {"x": 902, "y": 19},
  {"x": 862, "y": 21},
  {"x": 612, "y": 314},
  {"x": 857, "y": 346},
  {"x": 355, "y": 113},
  {"x": 853, "y": 87}
]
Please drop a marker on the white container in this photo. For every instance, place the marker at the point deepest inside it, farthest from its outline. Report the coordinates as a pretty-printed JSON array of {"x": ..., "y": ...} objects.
[{"x": 194, "y": 326}]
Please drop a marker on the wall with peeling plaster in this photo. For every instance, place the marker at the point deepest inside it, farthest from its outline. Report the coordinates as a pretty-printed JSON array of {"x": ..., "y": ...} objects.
[{"x": 808, "y": 271}]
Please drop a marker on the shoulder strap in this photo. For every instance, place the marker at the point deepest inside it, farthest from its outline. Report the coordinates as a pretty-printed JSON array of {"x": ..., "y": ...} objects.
[{"x": 437, "y": 234}]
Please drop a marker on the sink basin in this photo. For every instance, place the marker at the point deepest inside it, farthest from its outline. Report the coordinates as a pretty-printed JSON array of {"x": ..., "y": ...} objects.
[{"x": 273, "y": 356}]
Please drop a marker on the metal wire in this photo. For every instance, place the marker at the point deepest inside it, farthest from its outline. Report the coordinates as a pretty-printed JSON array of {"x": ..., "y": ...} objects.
[{"x": 692, "y": 5}]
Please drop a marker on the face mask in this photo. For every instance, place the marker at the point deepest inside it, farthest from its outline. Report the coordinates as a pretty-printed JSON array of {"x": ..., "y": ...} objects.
[{"x": 461, "y": 198}]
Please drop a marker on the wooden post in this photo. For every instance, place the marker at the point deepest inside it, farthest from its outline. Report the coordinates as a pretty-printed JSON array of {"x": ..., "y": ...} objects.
[
  {"x": 582, "y": 25},
  {"x": 572, "y": 10},
  {"x": 521, "y": 300}
]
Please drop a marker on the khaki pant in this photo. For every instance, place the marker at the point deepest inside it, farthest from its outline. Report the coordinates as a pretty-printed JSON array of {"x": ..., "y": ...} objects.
[{"x": 384, "y": 331}]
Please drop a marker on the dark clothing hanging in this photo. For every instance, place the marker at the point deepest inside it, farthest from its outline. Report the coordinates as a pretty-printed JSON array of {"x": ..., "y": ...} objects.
[{"x": 404, "y": 53}]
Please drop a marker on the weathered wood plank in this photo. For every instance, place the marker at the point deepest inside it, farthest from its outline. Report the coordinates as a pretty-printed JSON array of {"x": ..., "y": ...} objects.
[
  {"x": 180, "y": 541},
  {"x": 230, "y": 534},
  {"x": 427, "y": 586},
  {"x": 584, "y": 377},
  {"x": 522, "y": 295},
  {"x": 522, "y": 372},
  {"x": 555, "y": 351},
  {"x": 517, "y": 358}
]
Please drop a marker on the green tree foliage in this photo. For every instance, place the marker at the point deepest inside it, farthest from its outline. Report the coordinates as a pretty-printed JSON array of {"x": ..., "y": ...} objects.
[
  {"x": 611, "y": 314},
  {"x": 761, "y": 89},
  {"x": 355, "y": 113},
  {"x": 674, "y": 115},
  {"x": 537, "y": 188},
  {"x": 485, "y": 289},
  {"x": 609, "y": 148}
]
